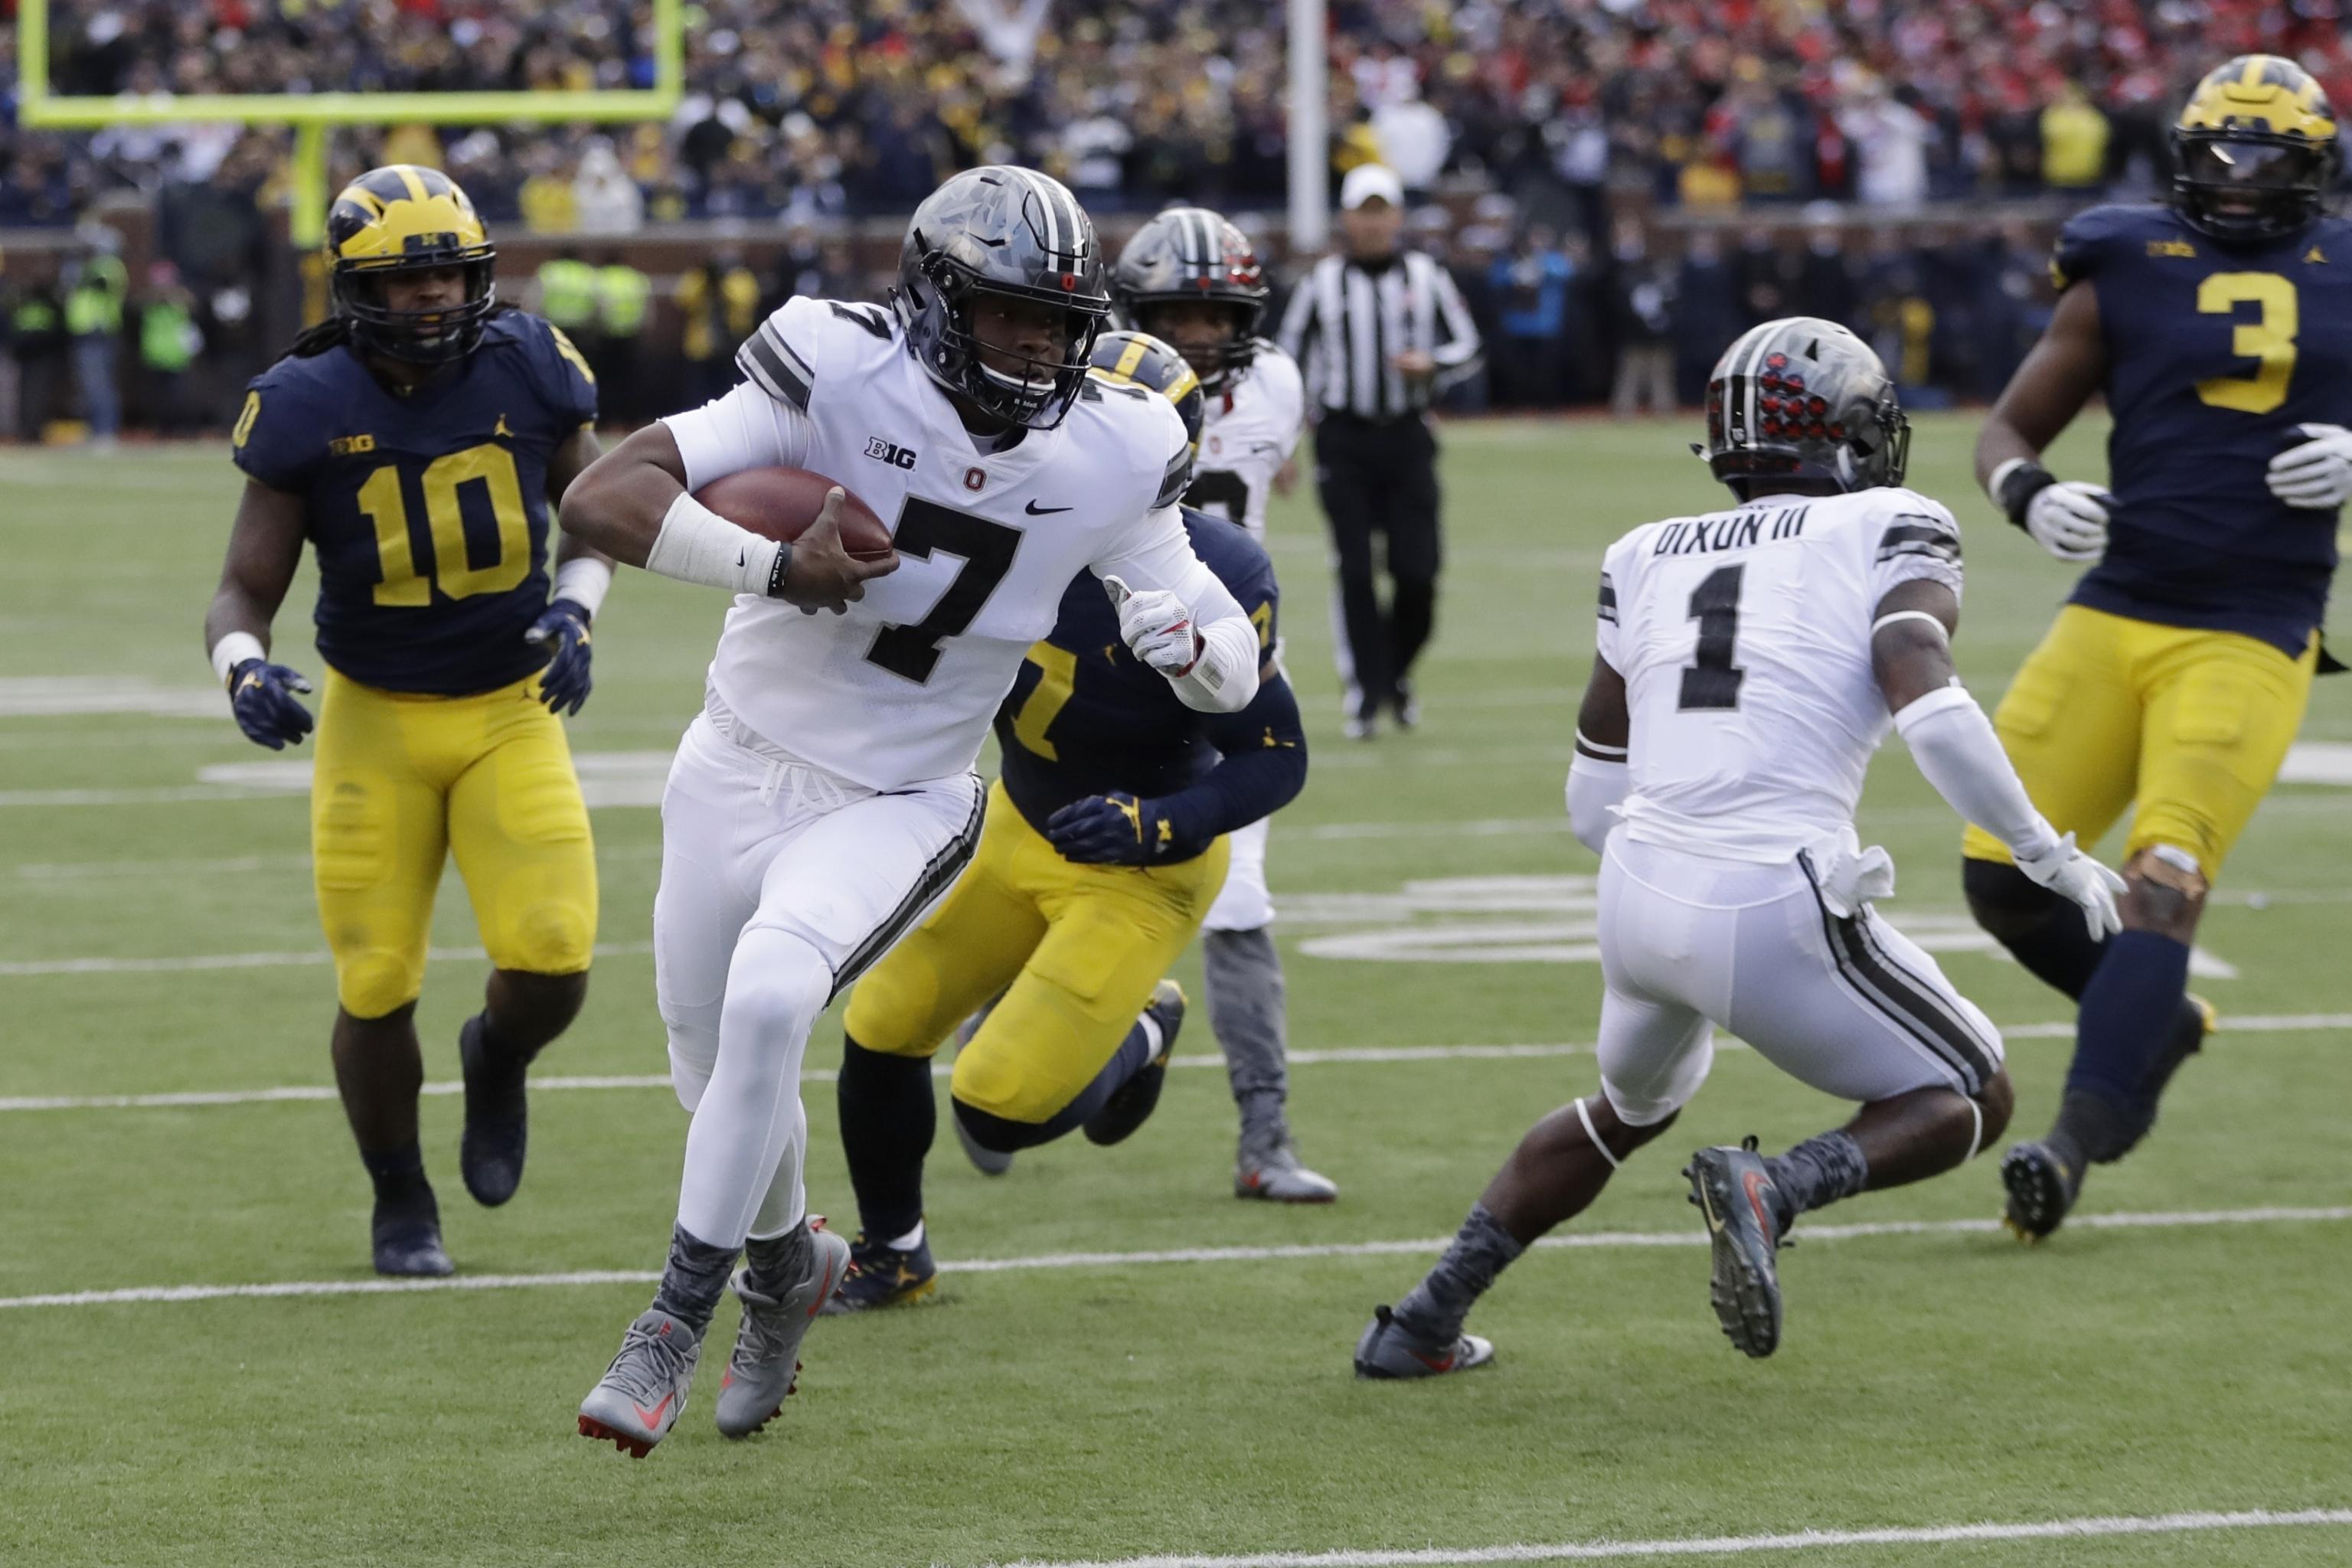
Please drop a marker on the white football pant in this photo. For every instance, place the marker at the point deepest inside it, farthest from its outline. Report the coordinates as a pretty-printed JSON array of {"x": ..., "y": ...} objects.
[
  {"x": 1848, "y": 1006},
  {"x": 781, "y": 883}
]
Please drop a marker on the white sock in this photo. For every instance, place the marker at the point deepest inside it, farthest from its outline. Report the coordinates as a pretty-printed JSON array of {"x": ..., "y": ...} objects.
[{"x": 908, "y": 1242}]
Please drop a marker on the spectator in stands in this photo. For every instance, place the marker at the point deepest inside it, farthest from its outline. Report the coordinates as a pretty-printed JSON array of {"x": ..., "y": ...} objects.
[
  {"x": 1890, "y": 139},
  {"x": 1530, "y": 287},
  {"x": 605, "y": 200},
  {"x": 719, "y": 302},
  {"x": 97, "y": 284},
  {"x": 2073, "y": 141},
  {"x": 1642, "y": 302},
  {"x": 168, "y": 340}
]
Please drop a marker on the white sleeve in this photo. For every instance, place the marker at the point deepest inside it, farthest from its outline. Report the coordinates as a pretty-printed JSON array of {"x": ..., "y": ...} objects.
[
  {"x": 1958, "y": 752},
  {"x": 1286, "y": 394},
  {"x": 1156, "y": 553},
  {"x": 1915, "y": 538},
  {"x": 745, "y": 430},
  {"x": 1596, "y": 788}
]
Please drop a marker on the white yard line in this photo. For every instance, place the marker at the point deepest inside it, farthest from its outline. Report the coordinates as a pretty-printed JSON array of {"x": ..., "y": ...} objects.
[
  {"x": 1574, "y": 1240},
  {"x": 1346, "y": 1055},
  {"x": 1735, "y": 1545}
]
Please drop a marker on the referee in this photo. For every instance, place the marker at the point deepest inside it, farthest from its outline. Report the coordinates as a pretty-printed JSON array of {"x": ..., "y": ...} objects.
[{"x": 1379, "y": 333}]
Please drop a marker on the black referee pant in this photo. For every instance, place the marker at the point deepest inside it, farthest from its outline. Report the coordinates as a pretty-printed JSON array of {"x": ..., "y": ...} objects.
[{"x": 1378, "y": 479}]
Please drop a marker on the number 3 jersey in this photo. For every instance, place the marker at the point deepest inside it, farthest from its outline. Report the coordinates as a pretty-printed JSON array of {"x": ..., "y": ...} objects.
[
  {"x": 428, "y": 510},
  {"x": 1744, "y": 638},
  {"x": 2214, "y": 355},
  {"x": 902, "y": 688}
]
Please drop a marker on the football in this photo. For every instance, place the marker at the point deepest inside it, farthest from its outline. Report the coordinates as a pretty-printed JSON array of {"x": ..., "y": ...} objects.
[{"x": 780, "y": 503}]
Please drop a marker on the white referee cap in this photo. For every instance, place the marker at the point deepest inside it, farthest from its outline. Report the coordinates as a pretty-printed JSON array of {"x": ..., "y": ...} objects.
[{"x": 1371, "y": 182}]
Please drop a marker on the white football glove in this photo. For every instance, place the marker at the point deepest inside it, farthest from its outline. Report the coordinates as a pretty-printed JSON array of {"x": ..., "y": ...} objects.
[
  {"x": 1157, "y": 627},
  {"x": 2068, "y": 872},
  {"x": 2317, "y": 472},
  {"x": 2068, "y": 519}
]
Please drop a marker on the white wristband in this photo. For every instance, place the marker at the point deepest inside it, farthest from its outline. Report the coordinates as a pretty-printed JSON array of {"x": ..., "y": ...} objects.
[
  {"x": 697, "y": 546},
  {"x": 234, "y": 650},
  {"x": 584, "y": 582},
  {"x": 2001, "y": 475},
  {"x": 1225, "y": 677}
]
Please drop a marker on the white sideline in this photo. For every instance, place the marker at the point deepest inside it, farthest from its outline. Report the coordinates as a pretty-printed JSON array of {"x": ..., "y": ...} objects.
[
  {"x": 2279, "y": 1023},
  {"x": 1575, "y": 1240},
  {"x": 1729, "y": 1545}
]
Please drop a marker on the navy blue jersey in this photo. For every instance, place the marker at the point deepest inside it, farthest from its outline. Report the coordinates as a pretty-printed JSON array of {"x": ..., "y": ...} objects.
[
  {"x": 1086, "y": 716},
  {"x": 428, "y": 510},
  {"x": 2214, "y": 356}
]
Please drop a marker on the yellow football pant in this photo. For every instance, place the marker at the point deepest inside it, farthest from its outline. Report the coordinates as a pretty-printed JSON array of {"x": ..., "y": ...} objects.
[
  {"x": 401, "y": 782},
  {"x": 2185, "y": 727},
  {"x": 1076, "y": 951}
]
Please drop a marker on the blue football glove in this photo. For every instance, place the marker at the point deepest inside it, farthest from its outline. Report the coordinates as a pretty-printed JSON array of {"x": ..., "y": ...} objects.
[
  {"x": 563, "y": 684},
  {"x": 1116, "y": 829},
  {"x": 261, "y": 695}
]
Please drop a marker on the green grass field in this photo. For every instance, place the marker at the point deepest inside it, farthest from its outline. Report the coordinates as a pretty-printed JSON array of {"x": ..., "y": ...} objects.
[{"x": 1095, "y": 1411}]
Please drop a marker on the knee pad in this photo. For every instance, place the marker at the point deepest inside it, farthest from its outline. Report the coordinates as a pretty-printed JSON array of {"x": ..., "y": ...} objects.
[
  {"x": 2042, "y": 931},
  {"x": 553, "y": 936},
  {"x": 377, "y": 980},
  {"x": 1648, "y": 1116}
]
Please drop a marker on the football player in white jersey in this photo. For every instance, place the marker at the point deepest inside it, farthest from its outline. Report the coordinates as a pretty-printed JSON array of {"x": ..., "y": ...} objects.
[
  {"x": 823, "y": 799},
  {"x": 1191, "y": 278},
  {"x": 1749, "y": 662}
]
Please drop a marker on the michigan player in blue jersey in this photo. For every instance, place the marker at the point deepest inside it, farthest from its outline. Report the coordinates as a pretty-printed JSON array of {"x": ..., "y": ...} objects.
[
  {"x": 416, "y": 440},
  {"x": 2219, "y": 328},
  {"x": 1103, "y": 850}
]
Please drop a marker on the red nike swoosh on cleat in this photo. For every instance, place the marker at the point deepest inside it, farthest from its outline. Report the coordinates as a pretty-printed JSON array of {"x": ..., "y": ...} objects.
[
  {"x": 652, "y": 1417},
  {"x": 824, "y": 1292},
  {"x": 1753, "y": 1182},
  {"x": 1433, "y": 1363}
]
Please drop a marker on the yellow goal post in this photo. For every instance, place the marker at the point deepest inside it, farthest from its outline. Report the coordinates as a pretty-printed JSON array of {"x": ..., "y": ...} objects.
[{"x": 312, "y": 114}]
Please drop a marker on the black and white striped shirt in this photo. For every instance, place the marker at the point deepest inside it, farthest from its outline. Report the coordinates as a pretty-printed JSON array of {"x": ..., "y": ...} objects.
[{"x": 1347, "y": 323}]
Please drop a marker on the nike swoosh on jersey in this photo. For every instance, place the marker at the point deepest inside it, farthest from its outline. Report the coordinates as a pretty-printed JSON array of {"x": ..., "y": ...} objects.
[{"x": 1033, "y": 509}]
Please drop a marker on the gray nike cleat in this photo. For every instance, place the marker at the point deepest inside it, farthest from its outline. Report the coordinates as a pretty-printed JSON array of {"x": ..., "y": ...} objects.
[
  {"x": 1273, "y": 1172},
  {"x": 644, "y": 1391},
  {"x": 1390, "y": 1350},
  {"x": 1737, "y": 1194},
  {"x": 765, "y": 1367}
]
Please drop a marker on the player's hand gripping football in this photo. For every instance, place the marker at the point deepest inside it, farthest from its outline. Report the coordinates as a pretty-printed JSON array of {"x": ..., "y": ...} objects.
[
  {"x": 1157, "y": 627},
  {"x": 261, "y": 695},
  {"x": 563, "y": 684},
  {"x": 822, "y": 575},
  {"x": 1114, "y": 829},
  {"x": 2068, "y": 519},
  {"x": 2071, "y": 874},
  {"x": 2318, "y": 471}
]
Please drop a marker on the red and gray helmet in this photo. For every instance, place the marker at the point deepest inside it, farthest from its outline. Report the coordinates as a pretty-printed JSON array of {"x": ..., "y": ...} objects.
[
  {"x": 1187, "y": 254},
  {"x": 1016, "y": 234},
  {"x": 1802, "y": 398}
]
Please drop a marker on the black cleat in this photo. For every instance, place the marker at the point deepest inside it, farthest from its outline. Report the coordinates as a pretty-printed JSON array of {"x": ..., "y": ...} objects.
[
  {"x": 884, "y": 1276},
  {"x": 498, "y": 1122},
  {"x": 408, "y": 1240},
  {"x": 1131, "y": 1105},
  {"x": 1737, "y": 1194},
  {"x": 2043, "y": 1184}
]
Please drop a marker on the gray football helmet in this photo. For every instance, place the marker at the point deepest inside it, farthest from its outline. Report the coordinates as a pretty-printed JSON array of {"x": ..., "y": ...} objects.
[
  {"x": 1802, "y": 398},
  {"x": 1013, "y": 233},
  {"x": 1190, "y": 253}
]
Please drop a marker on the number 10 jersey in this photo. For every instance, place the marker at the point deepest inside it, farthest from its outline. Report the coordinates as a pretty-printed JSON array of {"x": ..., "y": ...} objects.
[
  {"x": 903, "y": 687},
  {"x": 1744, "y": 638}
]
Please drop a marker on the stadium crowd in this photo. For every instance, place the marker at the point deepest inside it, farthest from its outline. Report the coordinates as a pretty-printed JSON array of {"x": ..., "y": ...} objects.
[{"x": 1715, "y": 126}]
